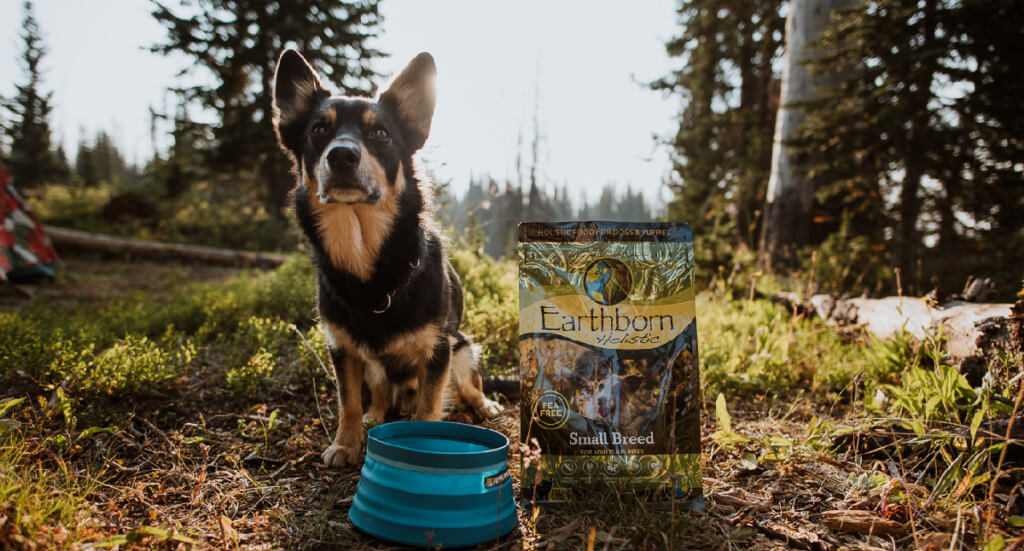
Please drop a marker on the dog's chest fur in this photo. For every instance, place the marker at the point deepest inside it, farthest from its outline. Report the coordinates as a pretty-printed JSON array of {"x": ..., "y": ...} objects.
[{"x": 409, "y": 349}]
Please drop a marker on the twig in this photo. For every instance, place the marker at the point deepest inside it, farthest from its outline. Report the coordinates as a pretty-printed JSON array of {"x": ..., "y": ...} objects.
[
  {"x": 1002, "y": 452},
  {"x": 315, "y": 355},
  {"x": 739, "y": 503},
  {"x": 316, "y": 399},
  {"x": 779, "y": 531},
  {"x": 312, "y": 374},
  {"x": 157, "y": 430}
]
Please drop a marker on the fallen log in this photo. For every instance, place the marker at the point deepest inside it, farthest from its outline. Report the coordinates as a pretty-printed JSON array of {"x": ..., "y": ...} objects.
[
  {"x": 64, "y": 238},
  {"x": 975, "y": 333},
  {"x": 507, "y": 385}
]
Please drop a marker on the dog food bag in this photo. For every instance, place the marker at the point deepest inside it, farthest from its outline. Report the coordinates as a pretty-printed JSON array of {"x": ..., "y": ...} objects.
[{"x": 608, "y": 343}]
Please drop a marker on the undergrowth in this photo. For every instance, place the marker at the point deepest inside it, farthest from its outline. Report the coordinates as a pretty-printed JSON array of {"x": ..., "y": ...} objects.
[
  {"x": 44, "y": 499},
  {"x": 755, "y": 346},
  {"x": 69, "y": 372},
  {"x": 249, "y": 330},
  {"x": 211, "y": 212},
  {"x": 920, "y": 435}
]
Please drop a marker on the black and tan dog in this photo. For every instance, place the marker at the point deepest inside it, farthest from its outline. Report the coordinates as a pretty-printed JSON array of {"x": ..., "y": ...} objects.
[{"x": 389, "y": 300}]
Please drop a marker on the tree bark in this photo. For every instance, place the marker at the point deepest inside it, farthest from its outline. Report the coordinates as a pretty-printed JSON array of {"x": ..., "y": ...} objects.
[
  {"x": 278, "y": 182},
  {"x": 790, "y": 202},
  {"x": 917, "y": 140}
]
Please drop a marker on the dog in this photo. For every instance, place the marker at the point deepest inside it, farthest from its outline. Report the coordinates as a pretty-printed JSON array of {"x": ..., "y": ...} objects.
[{"x": 390, "y": 302}]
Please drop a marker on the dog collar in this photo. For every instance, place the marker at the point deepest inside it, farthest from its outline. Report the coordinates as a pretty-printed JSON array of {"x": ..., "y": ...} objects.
[{"x": 386, "y": 303}]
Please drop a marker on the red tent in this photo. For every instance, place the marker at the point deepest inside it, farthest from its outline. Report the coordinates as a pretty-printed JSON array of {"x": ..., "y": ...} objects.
[{"x": 25, "y": 251}]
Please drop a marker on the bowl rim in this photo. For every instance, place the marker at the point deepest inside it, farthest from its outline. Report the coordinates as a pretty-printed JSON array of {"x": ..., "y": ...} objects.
[{"x": 378, "y": 447}]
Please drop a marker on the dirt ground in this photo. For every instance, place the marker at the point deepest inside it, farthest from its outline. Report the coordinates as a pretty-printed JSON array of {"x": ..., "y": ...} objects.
[
  {"x": 251, "y": 478},
  {"x": 86, "y": 280},
  {"x": 227, "y": 475}
]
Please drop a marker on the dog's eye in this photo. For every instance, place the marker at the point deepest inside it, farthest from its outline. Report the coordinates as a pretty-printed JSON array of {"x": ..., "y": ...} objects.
[
  {"x": 319, "y": 129},
  {"x": 380, "y": 134}
]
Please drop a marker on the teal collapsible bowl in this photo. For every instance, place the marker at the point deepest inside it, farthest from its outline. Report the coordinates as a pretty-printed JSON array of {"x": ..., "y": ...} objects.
[{"x": 434, "y": 483}]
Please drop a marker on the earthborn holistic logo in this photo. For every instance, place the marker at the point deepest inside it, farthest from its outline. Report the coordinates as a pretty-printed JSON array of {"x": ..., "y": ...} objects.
[
  {"x": 607, "y": 281},
  {"x": 608, "y": 352}
]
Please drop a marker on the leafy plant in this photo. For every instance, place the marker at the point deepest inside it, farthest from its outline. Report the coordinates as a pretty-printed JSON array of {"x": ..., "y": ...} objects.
[
  {"x": 134, "y": 365},
  {"x": 846, "y": 261},
  {"x": 725, "y": 435},
  {"x": 755, "y": 346},
  {"x": 491, "y": 315},
  {"x": 252, "y": 376}
]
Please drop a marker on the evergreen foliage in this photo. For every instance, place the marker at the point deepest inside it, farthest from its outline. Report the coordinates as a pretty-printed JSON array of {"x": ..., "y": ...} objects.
[
  {"x": 31, "y": 159},
  {"x": 916, "y": 150},
  {"x": 487, "y": 214},
  {"x": 922, "y": 145},
  {"x": 237, "y": 43},
  {"x": 184, "y": 163},
  {"x": 728, "y": 85},
  {"x": 99, "y": 161}
]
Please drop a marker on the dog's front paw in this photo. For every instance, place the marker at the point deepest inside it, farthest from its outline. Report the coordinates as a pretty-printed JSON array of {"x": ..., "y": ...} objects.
[
  {"x": 372, "y": 419},
  {"x": 343, "y": 452},
  {"x": 489, "y": 409}
]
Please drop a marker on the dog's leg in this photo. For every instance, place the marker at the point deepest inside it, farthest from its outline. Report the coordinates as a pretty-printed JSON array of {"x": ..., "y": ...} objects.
[
  {"x": 433, "y": 379},
  {"x": 380, "y": 394},
  {"x": 467, "y": 379},
  {"x": 348, "y": 442},
  {"x": 403, "y": 396}
]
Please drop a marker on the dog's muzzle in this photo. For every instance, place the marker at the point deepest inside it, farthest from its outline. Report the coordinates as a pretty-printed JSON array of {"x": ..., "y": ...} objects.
[{"x": 340, "y": 177}]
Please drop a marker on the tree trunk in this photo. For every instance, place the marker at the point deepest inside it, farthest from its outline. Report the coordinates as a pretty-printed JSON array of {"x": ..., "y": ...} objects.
[
  {"x": 278, "y": 183},
  {"x": 917, "y": 141},
  {"x": 790, "y": 202}
]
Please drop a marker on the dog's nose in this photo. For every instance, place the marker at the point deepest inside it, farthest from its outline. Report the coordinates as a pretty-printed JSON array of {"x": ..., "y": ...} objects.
[{"x": 344, "y": 156}]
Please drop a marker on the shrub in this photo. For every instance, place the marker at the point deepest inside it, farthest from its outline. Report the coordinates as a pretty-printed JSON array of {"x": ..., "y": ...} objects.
[
  {"x": 313, "y": 350},
  {"x": 845, "y": 262},
  {"x": 253, "y": 376},
  {"x": 254, "y": 335},
  {"x": 47, "y": 344},
  {"x": 134, "y": 365},
  {"x": 492, "y": 311},
  {"x": 72, "y": 205}
]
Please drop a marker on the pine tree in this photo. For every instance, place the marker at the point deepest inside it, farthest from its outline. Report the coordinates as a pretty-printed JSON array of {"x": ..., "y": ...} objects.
[
  {"x": 728, "y": 86},
  {"x": 930, "y": 120},
  {"x": 872, "y": 132},
  {"x": 31, "y": 159},
  {"x": 238, "y": 42},
  {"x": 987, "y": 186},
  {"x": 100, "y": 162},
  {"x": 184, "y": 162}
]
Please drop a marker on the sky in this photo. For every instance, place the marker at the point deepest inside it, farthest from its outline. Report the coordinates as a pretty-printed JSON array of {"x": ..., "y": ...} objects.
[{"x": 578, "y": 66}]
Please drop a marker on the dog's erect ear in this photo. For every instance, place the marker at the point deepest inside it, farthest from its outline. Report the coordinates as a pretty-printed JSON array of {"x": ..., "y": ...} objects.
[
  {"x": 411, "y": 98},
  {"x": 297, "y": 90}
]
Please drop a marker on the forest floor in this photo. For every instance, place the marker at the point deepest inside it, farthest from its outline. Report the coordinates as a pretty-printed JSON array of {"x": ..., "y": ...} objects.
[{"x": 204, "y": 457}]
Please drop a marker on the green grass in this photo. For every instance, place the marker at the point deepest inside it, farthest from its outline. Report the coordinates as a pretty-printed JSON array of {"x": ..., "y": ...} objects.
[
  {"x": 44, "y": 498},
  {"x": 95, "y": 400},
  {"x": 923, "y": 413},
  {"x": 757, "y": 347},
  {"x": 243, "y": 328},
  {"x": 140, "y": 347},
  {"x": 492, "y": 311}
]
